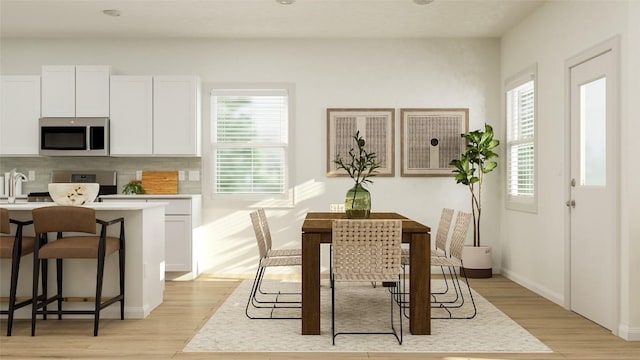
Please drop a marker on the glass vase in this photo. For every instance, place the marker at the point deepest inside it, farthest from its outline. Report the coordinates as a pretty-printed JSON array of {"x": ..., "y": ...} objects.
[{"x": 357, "y": 204}]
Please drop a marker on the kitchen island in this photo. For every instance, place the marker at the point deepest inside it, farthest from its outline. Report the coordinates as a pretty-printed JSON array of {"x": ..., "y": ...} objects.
[{"x": 144, "y": 264}]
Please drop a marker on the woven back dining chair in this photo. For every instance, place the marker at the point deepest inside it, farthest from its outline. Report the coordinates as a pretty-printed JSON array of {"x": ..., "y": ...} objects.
[
  {"x": 75, "y": 229},
  {"x": 366, "y": 251},
  {"x": 266, "y": 232},
  {"x": 269, "y": 300},
  {"x": 442, "y": 237},
  {"x": 455, "y": 308},
  {"x": 14, "y": 247}
]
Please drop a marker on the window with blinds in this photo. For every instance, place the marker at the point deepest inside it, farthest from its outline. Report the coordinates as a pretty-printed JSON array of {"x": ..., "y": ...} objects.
[
  {"x": 521, "y": 142},
  {"x": 250, "y": 142}
]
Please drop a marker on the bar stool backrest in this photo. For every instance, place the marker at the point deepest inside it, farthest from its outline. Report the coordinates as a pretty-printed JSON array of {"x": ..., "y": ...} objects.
[
  {"x": 4, "y": 221},
  {"x": 64, "y": 218}
]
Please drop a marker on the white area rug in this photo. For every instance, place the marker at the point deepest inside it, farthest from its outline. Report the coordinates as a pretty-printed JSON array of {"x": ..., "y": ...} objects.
[{"x": 360, "y": 307}]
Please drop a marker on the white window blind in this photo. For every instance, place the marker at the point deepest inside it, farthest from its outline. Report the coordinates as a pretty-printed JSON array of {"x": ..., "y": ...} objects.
[
  {"x": 250, "y": 141},
  {"x": 521, "y": 143}
]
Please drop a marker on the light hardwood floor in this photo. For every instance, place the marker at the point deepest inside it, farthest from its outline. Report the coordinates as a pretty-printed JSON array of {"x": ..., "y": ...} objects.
[{"x": 188, "y": 305}]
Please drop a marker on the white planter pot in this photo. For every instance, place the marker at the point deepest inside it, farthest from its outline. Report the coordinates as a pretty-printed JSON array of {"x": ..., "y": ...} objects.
[{"x": 476, "y": 261}]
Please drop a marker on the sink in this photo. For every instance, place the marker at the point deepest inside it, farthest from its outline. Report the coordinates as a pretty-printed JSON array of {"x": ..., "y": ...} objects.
[{"x": 19, "y": 200}]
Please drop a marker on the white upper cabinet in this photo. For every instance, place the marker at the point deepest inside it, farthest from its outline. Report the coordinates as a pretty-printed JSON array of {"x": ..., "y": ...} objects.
[
  {"x": 176, "y": 115},
  {"x": 81, "y": 91},
  {"x": 19, "y": 113},
  {"x": 92, "y": 91},
  {"x": 131, "y": 115},
  {"x": 58, "y": 91}
]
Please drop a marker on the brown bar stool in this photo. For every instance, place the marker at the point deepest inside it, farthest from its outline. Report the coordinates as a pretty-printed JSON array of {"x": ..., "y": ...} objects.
[
  {"x": 14, "y": 248},
  {"x": 77, "y": 219}
]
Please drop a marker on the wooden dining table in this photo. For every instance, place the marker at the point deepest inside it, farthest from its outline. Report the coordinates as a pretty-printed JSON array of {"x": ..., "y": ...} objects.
[{"x": 316, "y": 230}]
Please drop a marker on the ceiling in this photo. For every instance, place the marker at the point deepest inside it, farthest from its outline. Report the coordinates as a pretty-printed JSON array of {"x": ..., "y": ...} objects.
[{"x": 261, "y": 18}]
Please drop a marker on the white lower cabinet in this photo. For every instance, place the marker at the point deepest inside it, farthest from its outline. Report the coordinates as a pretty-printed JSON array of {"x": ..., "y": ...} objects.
[
  {"x": 177, "y": 232},
  {"x": 182, "y": 216},
  {"x": 177, "y": 252}
]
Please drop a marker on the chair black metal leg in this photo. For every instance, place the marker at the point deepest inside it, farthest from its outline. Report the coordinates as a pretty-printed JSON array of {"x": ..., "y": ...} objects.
[
  {"x": 256, "y": 302},
  {"x": 44, "y": 266},
  {"x": 59, "y": 265},
  {"x": 34, "y": 290},
  {"x": 99, "y": 277},
  {"x": 275, "y": 293},
  {"x": 254, "y": 289},
  {"x": 392, "y": 301},
  {"x": 400, "y": 316},
  {"x": 121, "y": 264},
  {"x": 333, "y": 314},
  {"x": 261, "y": 304},
  {"x": 15, "y": 267},
  {"x": 330, "y": 264},
  {"x": 449, "y": 307},
  {"x": 458, "y": 294}
]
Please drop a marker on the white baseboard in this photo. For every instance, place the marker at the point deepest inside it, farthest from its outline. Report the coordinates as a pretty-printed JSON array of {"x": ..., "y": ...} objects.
[
  {"x": 537, "y": 288},
  {"x": 629, "y": 333}
]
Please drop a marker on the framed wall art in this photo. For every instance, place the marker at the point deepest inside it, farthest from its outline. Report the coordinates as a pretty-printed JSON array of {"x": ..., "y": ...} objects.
[
  {"x": 376, "y": 126},
  {"x": 430, "y": 139}
]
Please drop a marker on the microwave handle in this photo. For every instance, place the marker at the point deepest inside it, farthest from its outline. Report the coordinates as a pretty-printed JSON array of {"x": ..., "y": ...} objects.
[{"x": 88, "y": 137}]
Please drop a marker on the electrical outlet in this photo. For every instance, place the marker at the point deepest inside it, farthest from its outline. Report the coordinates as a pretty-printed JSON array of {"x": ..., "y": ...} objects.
[
  {"x": 32, "y": 175},
  {"x": 181, "y": 175},
  {"x": 139, "y": 175},
  {"x": 194, "y": 175}
]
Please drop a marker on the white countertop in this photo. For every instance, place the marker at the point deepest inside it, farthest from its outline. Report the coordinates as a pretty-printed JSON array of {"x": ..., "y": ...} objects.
[
  {"x": 150, "y": 196},
  {"x": 111, "y": 205}
]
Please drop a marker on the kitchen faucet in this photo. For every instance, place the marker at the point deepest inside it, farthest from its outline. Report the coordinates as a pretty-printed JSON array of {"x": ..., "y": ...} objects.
[{"x": 14, "y": 177}]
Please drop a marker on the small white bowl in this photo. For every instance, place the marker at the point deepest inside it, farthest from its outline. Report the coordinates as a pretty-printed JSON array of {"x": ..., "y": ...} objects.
[{"x": 73, "y": 193}]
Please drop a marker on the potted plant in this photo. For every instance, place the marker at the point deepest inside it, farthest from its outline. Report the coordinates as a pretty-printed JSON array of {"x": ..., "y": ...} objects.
[
  {"x": 360, "y": 167},
  {"x": 470, "y": 168},
  {"x": 134, "y": 187}
]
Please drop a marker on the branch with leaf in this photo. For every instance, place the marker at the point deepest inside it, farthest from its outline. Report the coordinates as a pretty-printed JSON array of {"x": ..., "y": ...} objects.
[
  {"x": 471, "y": 167},
  {"x": 360, "y": 166}
]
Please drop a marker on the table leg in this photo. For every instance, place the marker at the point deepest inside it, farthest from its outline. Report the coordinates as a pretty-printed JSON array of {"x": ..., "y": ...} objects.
[
  {"x": 310, "y": 284},
  {"x": 420, "y": 284}
]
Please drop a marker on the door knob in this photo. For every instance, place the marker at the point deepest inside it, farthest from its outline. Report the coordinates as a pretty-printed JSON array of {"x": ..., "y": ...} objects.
[{"x": 571, "y": 203}]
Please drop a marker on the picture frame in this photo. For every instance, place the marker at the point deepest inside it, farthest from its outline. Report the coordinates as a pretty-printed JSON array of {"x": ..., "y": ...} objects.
[
  {"x": 430, "y": 139},
  {"x": 376, "y": 126}
]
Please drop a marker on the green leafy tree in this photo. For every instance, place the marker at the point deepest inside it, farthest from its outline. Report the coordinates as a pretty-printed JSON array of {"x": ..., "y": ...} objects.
[{"x": 471, "y": 167}]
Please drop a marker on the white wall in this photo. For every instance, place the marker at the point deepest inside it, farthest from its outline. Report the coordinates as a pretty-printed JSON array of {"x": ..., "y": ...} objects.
[
  {"x": 327, "y": 73},
  {"x": 631, "y": 173},
  {"x": 554, "y": 33}
]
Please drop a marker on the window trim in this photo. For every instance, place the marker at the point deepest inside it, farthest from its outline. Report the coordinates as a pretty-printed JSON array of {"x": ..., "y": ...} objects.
[
  {"x": 253, "y": 200},
  {"x": 522, "y": 203}
]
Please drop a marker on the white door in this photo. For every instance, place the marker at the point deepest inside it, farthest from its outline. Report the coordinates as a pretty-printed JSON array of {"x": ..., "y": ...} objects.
[{"x": 593, "y": 202}]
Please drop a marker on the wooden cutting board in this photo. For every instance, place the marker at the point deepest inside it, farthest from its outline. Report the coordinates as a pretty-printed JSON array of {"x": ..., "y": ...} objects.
[{"x": 160, "y": 182}]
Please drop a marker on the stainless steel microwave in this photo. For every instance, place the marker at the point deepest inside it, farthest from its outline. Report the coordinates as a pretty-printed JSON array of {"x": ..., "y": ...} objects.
[{"x": 74, "y": 136}]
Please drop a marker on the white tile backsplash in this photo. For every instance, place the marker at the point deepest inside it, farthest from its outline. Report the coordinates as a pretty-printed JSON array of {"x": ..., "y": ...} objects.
[{"x": 126, "y": 169}]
